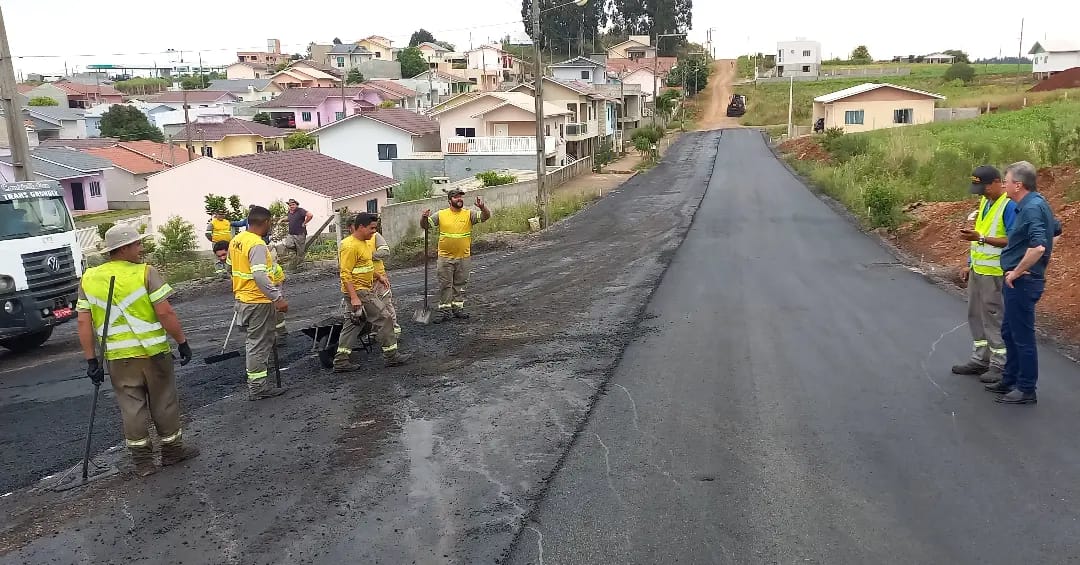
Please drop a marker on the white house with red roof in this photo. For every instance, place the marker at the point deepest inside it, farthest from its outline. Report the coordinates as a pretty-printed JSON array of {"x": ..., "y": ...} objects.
[{"x": 373, "y": 139}]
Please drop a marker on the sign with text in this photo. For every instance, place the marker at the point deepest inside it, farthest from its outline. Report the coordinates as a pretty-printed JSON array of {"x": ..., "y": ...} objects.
[{"x": 30, "y": 189}]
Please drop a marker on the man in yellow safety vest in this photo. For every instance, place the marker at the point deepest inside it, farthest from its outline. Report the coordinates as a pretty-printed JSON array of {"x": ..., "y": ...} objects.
[
  {"x": 258, "y": 300},
  {"x": 219, "y": 228},
  {"x": 984, "y": 275},
  {"x": 136, "y": 347},
  {"x": 455, "y": 247}
]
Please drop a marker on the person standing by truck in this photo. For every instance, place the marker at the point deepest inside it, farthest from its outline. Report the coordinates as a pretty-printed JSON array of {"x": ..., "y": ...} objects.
[{"x": 136, "y": 347}]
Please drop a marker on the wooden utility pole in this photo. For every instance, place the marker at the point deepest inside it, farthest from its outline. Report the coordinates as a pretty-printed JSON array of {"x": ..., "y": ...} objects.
[
  {"x": 1020, "y": 54},
  {"x": 538, "y": 93},
  {"x": 9, "y": 93},
  {"x": 187, "y": 128}
]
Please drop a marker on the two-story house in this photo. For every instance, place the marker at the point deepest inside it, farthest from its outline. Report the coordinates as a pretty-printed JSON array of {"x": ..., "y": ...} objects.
[
  {"x": 380, "y": 47},
  {"x": 264, "y": 60},
  {"x": 433, "y": 53},
  {"x": 498, "y": 129},
  {"x": 250, "y": 90},
  {"x": 372, "y": 140},
  {"x": 225, "y": 136},
  {"x": 345, "y": 57},
  {"x": 635, "y": 47},
  {"x": 649, "y": 75},
  {"x": 490, "y": 67},
  {"x": 1053, "y": 56},
  {"x": 624, "y": 99},
  {"x": 246, "y": 71},
  {"x": 592, "y": 119},
  {"x": 435, "y": 87},
  {"x": 304, "y": 77},
  {"x": 799, "y": 58}
]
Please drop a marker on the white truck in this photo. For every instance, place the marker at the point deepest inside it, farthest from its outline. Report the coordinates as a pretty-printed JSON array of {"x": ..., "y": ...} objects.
[{"x": 41, "y": 262}]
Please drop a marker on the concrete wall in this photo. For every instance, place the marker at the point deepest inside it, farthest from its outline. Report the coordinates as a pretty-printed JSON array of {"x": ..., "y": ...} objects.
[
  {"x": 949, "y": 114},
  {"x": 121, "y": 185},
  {"x": 375, "y": 68},
  {"x": 460, "y": 167},
  {"x": 405, "y": 168}
]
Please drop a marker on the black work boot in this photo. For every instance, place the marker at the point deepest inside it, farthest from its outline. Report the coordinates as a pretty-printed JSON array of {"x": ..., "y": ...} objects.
[
  {"x": 143, "y": 460},
  {"x": 1017, "y": 396},
  {"x": 999, "y": 388},
  {"x": 175, "y": 452},
  {"x": 970, "y": 368}
]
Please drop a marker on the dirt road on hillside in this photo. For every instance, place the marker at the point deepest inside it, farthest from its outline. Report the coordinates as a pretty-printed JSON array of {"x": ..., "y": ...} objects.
[{"x": 717, "y": 96}]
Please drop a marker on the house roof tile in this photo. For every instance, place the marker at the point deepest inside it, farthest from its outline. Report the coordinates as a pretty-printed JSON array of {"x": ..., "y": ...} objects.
[
  {"x": 627, "y": 66},
  {"x": 867, "y": 87},
  {"x": 80, "y": 89},
  {"x": 314, "y": 171},
  {"x": 80, "y": 143},
  {"x": 317, "y": 65},
  {"x": 141, "y": 157},
  {"x": 579, "y": 62},
  {"x": 307, "y": 97},
  {"x": 193, "y": 97},
  {"x": 216, "y": 131},
  {"x": 392, "y": 88},
  {"x": 405, "y": 120},
  {"x": 60, "y": 163}
]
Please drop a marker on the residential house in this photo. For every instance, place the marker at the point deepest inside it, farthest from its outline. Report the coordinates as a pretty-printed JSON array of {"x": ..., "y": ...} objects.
[
  {"x": 310, "y": 108},
  {"x": 1054, "y": 56},
  {"x": 264, "y": 60},
  {"x": 439, "y": 85},
  {"x": 195, "y": 98},
  {"x": 873, "y": 106},
  {"x": 77, "y": 95},
  {"x": 82, "y": 176},
  {"x": 490, "y": 68},
  {"x": 380, "y": 47},
  {"x": 81, "y": 144},
  {"x": 316, "y": 65},
  {"x": 224, "y": 136},
  {"x": 433, "y": 53},
  {"x": 799, "y": 58},
  {"x": 56, "y": 122},
  {"x": 593, "y": 118},
  {"x": 348, "y": 56},
  {"x": 321, "y": 184},
  {"x": 249, "y": 90},
  {"x": 498, "y": 130},
  {"x": 133, "y": 162},
  {"x": 404, "y": 96},
  {"x": 583, "y": 69},
  {"x": 649, "y": 74},
  {"x": 372, "y": 140},
  {"x": 246, "y": 71},
  {"x": 939, "y": 59},
  {"x": 629, "y": 113},
  {"x": 150, "y": 109},
  {"x": 304, "y": 77},
  {"x": 635, "y": 47}
]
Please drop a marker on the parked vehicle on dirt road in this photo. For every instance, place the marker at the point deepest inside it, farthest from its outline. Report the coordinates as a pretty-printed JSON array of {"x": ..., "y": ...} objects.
[
  {"x": 40, "y": 263},
  {"x": 737, "y": 107}
]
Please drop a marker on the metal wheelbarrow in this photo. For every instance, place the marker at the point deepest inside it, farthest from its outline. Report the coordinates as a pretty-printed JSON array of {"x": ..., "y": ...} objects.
[{"x": 325, "y": 336}]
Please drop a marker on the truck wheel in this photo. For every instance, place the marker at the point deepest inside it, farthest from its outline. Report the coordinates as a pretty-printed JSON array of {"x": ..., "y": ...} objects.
[{"x": 28, "y": 341}]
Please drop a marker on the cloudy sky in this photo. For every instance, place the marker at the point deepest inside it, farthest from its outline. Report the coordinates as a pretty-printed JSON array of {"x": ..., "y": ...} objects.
[{"x": 46, "y": 35}]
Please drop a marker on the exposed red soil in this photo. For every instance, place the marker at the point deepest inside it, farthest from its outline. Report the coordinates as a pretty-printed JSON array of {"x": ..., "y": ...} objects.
[
  {"x": 805, "y": 149},
  {"x": 1069, "y": 78}
]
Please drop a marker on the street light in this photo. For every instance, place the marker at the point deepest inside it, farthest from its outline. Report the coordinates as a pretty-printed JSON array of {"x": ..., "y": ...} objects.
[
  {"x": 538, "y": 92},
  {"x": 656, "y": 59}
]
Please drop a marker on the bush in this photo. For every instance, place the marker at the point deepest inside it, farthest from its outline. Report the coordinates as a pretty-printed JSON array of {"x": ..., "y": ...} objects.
[
  {"x": 262, "y": 118},
  {"x": 104, "y": 227},
  {"x": 492, "y": 178},
  {"x": 416, "y": 187},
  {"x": 675, "y": 124},
  {"x": 845, "y": 147},
  {"x": 177, "y": 240},
  {"x": 299, "y": 140},
  {"x": 42, "y": 101},
  {"x": 605, "y": 154},
  {"x": 961, "y": 71},
  {"x": 1055, "y": 145},
  {"x": 831, "y": 135},
  {"x": 653, "y": 133},
  {"x": 882, "y": 204}
]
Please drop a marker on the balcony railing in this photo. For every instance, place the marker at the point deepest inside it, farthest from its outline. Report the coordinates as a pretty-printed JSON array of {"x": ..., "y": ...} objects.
[
  {"x": 577, "y": 129},
  {"x": 502, "y": 145}
]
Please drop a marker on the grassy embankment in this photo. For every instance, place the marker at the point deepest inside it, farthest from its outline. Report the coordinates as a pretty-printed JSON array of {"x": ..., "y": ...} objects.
[{"x": 875, "y": 173}]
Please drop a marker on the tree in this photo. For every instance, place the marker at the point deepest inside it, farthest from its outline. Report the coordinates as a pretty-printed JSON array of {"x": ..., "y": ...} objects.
[
  {"x": 337, "y": 41},
  {"x": 299, "y": 140},
  {"x": 645, "y": 17},
  {"x": 412, "y": 62},
  {"x": 961, "y": 71},
  {"x": 128, "y": 124},
  {"x": 958, "y": 55},
  {"x": 194, "y": 82},
  {"x": 421, "y": 36},
  {"x": 281, "y": 66},
  {"x": 560, "y": 22},
  {"x": 42, "y": 101},
  {"x": 388, "y": 104},
  {"x": 263, "y": 118},
  {"x": 861, "y": 53},
  {"x": 296, "y": 57},
  {"x": 445, "y": 45},
  {"x": 355, "y": 76},
  {"x": 691, "y": 72}
]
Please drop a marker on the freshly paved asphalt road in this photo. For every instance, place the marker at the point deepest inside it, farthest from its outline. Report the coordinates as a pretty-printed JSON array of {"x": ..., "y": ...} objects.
[{"x": 791, "y": 402}]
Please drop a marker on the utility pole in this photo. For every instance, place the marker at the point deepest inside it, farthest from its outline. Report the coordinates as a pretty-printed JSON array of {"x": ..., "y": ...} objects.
[
  {"x": 20, "y": 146},
  {"x": 1020, "y": 54},
  {"x": 790, "y": 104},
  {"x": 538, "y": 99},
  {"x": 187, "y": 128}
]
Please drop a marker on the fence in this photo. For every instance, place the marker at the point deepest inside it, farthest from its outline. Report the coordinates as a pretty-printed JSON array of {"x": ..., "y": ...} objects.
[
  {"x": 400, "y": 221},
  {"x": 88, "y": 238},
  {"x": 842, "y": 73}
]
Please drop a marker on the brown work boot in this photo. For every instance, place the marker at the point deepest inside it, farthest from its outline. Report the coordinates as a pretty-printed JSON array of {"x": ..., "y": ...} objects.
[
  {"x": 175, "y": 452},
  {"x": 346, "y": 367},
  {"x": 260, "y": 389},
  {"x": 395, "y": 359},
  {"x": 143, "y": 460}
]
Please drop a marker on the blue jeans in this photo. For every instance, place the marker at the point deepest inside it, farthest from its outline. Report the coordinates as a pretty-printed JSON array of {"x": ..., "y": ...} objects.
[{"x": 1018, "y": 333}]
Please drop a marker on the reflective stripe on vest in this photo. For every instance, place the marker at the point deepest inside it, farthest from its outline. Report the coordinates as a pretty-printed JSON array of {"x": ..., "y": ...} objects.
[
  {"x": 134, "y": 330},
  {"x": 985, "y": 258},
  {"x": 455, "y": 233}
]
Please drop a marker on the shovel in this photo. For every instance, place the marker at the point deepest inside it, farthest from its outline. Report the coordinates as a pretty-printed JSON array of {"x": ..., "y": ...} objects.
[
  {"x": 224, "y": 356},
  {"x": 422, "y": 315}
]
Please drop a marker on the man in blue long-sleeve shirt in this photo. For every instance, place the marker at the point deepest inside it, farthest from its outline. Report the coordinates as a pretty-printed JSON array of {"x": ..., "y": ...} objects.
[{"x": 1024, "y": 260}]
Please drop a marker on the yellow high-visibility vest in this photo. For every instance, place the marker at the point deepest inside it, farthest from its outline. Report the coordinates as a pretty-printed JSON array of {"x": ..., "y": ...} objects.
[
  {"x": 455, "y": 233},
  {"x": 134, "y": 330},
  {"x": 356, "y": 264},
  {"x": 985, "y": 258},
  {"x": 221, "y": 230},
  {"x": 243, "y": 272}
]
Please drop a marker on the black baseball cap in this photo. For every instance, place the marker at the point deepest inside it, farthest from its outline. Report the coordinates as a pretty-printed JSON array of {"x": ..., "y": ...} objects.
[{"x": 983, "y": 176}]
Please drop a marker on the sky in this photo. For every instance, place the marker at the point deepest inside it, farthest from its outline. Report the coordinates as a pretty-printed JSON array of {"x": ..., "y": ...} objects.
[{"x": 46, "y": 35}]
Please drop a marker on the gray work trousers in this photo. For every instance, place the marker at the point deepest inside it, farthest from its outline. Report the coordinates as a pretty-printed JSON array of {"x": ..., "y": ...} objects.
[
  {"x": 259, "y": 320},
  {"x": 453, "y": 278},
  {"x": 985, "y": 311},
  {"x": 378, "y": 314}
]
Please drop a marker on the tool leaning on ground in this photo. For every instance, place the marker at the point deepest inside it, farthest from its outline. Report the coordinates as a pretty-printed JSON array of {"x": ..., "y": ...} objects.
[
  {"x": 422, "y": 315},
  {"x": 97, "y": 384},
  {"x": 218, "y": 358}
]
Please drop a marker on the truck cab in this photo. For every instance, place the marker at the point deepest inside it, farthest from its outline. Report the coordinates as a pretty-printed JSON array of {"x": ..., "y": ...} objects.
[{"x": 41, "y": 262}]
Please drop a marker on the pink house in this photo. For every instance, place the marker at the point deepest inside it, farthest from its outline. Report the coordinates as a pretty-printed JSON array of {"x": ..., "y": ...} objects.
[
  {"x": 310, "y": 108},
  {"x": 80, "y": 174}
]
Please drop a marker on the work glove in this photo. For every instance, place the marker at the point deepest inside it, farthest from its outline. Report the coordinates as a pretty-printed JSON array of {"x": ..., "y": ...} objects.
[
  {"x": 95, "y": 371},
  {"x": 185, "y": 353}
]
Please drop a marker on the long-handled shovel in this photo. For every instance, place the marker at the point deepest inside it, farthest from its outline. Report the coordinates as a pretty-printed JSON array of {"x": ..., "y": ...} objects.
[
  {"x": 422, "y": 315},
  {"x": 218, "y": 358},
  {"x": 97, "y": 386}
]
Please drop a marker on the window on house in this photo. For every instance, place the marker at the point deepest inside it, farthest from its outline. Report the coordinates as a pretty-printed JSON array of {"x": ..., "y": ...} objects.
[
  {"x": 903, "y": 116},
  {"x": 378, "y": 55},
  {"x": 547, "y": 130},
  {"x": 387, "y": 151},
  {"x": 853, "y": 117},
  {"x": 340, "y": 62},
  {"x": 465, "y": 132},
  {"x": 806, "y": 53},
  {"x": 95, "y": 188},
  {"x": 780, "y": 56},
  {"x": 207, "y": 151},
  {"x": 373, "y": 206},
  {"x": 586, "y": 75},
  {"x": 305, "y": 116},
  {"x": 806, "y": 68},
  {"x": 259, "y": 147},
  {"x": 339, "y": 116}
]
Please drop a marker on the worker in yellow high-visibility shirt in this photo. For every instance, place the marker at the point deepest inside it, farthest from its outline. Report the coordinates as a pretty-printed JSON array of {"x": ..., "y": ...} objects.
[
  {"x": 455, "y": 246},
  {"x": 219, "y": 228}
]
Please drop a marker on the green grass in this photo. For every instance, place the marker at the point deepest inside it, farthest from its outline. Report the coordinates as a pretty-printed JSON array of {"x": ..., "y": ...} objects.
[
  {"x": 933, "y": 162},
  {"x": 767, "y": 103},
  {"x": 928, "y": 70},
  {"x": 91, "y": 220}
]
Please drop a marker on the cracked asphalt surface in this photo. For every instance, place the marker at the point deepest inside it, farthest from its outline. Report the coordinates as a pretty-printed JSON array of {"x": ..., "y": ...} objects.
[
  {"x": 789, "y": 400},
  {"x": 436, "y": 462}
]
